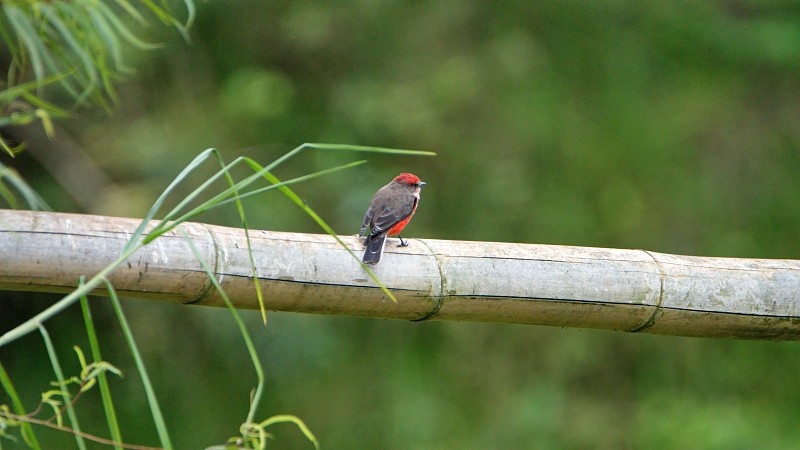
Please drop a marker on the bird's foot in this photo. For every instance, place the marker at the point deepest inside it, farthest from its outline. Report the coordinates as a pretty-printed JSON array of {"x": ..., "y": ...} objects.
[{"x": 402, "y": 242}]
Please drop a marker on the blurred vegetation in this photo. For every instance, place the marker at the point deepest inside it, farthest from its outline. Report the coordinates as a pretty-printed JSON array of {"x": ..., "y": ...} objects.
[
  {"x": 673, "y": 127},
  {"x": 76, "y": 46}
]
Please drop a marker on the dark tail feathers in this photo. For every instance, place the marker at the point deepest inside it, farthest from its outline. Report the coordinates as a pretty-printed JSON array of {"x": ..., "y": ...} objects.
[{"x": 374, "y": 249}]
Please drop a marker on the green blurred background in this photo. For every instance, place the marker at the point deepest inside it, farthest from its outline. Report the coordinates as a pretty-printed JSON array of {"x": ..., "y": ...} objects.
[{"x": 670, "y": 126}]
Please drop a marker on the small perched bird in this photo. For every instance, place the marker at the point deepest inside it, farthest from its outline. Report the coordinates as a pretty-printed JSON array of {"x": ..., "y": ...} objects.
[{"x": 389, "y": 212}]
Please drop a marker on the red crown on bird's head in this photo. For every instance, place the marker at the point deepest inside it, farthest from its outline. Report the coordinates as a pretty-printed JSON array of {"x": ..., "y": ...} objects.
[{"x": 407, "y": 178}]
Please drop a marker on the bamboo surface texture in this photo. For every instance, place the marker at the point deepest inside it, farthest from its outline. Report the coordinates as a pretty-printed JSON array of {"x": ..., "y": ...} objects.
[{"x": 615, "y": 289}]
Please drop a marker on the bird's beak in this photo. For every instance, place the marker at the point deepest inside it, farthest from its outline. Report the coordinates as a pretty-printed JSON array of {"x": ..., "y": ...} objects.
[{"x": 422, "y": 183}]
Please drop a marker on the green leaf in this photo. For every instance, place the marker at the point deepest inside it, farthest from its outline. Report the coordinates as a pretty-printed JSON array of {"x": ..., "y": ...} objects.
[
  {"x": 364, "y": 148},
  {"x": 109, "y": 39},
  {"x": 251, "y": 349},
  {"x": 196, "y": 162},
  {"x": 34, "y": 201},
  {"x": 28, "y": 37},
  {"x": 105, "y": 390},
  {"x": 155, "y": 410},
  {"x": 27, "y": 431},
  {"x": 295, "y": 420},
  {"x": 73, "y": 417},
  {"x": 89, "y": 67},
  {"x": 123, "y": 31}
]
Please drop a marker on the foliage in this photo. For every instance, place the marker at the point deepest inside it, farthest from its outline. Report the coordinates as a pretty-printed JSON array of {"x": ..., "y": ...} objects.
[
  {"x": 59, "y": 400},
  {"x": 11, "y": 185},
  {"x": 76, "y": 45},
  {"x": 253, "y": 434},
  {"x": 659, "y": 125}
]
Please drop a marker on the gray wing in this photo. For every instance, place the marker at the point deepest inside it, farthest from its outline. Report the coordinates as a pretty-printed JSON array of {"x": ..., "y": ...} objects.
[
  {"x": 365, "y": 224},
  {"x": 385, "y": 220},
  {"x": 390, "y": 205},
  {"x": 396, "y": 208}
]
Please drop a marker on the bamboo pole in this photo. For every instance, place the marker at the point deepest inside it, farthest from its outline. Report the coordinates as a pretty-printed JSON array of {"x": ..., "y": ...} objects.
[{"x": 615, "y": 289}]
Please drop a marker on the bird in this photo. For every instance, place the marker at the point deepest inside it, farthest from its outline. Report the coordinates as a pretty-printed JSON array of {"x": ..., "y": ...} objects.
[{"x": 388, "y": 214}]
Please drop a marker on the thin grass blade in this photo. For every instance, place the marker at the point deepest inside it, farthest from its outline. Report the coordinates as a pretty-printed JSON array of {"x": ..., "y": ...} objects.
[
  {"x": 191, "y": 14},
  {"x": 299, "y": 202},
  {"x": 284, "y": 418},
  {"x": 196, "y": 162},
  {"x": 109, "y": 39},
  {"x": 291, "y": 181},
  {"x": 40, "y": 57},
  {"x": 27, "y": 36},
  {"x": 73, "y": 417},
  {"x": 51, "y": 108},
  {"x": 123, "y": 31},
  {"x": 12, "y": 92},
  {"x": 251, "y": 349},
  {"x": 7, "y": 195},
  {"x": 105, "y": 390},
  {"x": 155, "y": 410},
  {"x": 78, "y": 50},
  {"x": 364, "y": 148},
  {"x": 33, "y": 323},
  {"x": 170, "y": 216},
  {"x": 168, "y": 223},
  {"x": 343, "y": 147},
  {"x": 27, "y": 431},
  {"x": 34, "y": 201},
  {"x": 131, "y": 10},
  {"x": 240, "y": 209}
]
